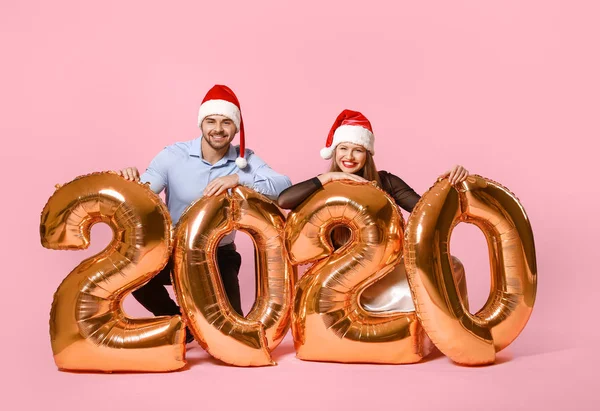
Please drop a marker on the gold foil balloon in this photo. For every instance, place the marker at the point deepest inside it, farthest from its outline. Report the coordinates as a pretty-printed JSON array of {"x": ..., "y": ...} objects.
[
  {"x": 329, "y": 323},
  {"x": 471, "y": 338},
  {"x": 88, "y": 328},
  {"x": 217, "y": 327}
]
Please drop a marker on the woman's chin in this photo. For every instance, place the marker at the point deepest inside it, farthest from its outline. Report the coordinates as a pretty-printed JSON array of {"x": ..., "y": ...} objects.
[{"x": 349, "y": 170}]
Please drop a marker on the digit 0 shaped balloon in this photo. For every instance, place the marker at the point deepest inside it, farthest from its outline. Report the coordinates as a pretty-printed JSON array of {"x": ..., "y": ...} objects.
[
  {"x": 88, "y": 328},
  {"x": 466, "y": 338},
  {"x": 329, "y": 323},
  {"x": 216, "y": 326}
]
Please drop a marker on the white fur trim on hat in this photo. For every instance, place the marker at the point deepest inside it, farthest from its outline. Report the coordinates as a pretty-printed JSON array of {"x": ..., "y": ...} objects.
[
  {"x": 350, "y": 134},
  {"x": 222, "y": 108}
]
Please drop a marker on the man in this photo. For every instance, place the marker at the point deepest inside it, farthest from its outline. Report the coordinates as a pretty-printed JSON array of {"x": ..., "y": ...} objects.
[{"x": 206, "y": 166}]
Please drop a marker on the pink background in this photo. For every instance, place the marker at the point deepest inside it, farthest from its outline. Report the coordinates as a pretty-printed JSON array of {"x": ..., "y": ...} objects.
[{"x": 509, "y": 89}]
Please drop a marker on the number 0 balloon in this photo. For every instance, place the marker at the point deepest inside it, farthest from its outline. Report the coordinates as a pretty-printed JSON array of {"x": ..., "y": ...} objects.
[
  {"x": 222, "y": 332},
  {"x": 471, "y": 338}
]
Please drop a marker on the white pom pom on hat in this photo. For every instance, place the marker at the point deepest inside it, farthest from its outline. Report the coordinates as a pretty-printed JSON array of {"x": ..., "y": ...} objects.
[
  {"x": 221, "y": 100},
  {"x": 349, "y": 127},
  {"x": 326, "y": 153},
  {"x": 241, "y": 162}
]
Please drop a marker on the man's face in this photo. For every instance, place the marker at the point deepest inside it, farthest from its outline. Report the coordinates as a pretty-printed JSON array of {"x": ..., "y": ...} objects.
[{"x": 218, "y": 131}]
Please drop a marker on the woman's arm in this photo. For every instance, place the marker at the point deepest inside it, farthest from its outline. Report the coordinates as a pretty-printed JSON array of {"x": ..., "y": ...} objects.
[
  {"x": 402, "y": 193},
  {"x": 292, "y": 196},
  {"x": 296, "y": 194}
]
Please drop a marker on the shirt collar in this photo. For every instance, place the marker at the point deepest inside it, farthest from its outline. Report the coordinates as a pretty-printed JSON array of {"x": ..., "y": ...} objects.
[{"x": 196, "y": 150}]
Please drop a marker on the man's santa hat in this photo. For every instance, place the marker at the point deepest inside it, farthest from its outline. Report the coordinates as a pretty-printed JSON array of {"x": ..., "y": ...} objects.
[
  {"x": 220, "y": 100},
  {"x": 349, "y": 127}
]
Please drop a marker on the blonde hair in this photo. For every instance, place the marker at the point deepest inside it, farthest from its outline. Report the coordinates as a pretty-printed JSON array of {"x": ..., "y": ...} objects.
[{"x": 341, "y": 235}]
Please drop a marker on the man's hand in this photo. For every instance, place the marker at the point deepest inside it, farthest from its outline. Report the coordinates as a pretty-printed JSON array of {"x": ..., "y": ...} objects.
[
  {"x": 219, "y": 185},
  {"x": 129, "y": 173},
  {"x": 456, "y": 174}
]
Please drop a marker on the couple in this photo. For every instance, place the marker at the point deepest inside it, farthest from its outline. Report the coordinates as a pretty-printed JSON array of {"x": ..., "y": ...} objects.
[{"x": 209, "y": 165}]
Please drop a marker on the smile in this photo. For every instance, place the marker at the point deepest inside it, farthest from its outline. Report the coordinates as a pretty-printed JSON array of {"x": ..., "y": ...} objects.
[{"x": 349, "y": 164}]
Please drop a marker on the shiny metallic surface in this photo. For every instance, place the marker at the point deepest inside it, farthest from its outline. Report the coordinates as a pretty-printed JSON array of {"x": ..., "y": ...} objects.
[
  {"x": 216, "y": 326},
  {"x": 466, "y": 338},
  {"x": 88, "y": 329},
  {"x": 329, "y": 323}
]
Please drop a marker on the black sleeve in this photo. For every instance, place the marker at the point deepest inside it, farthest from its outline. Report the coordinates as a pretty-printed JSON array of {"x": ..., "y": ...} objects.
[
  {"x": 402, "y": 193},
  {"x": 292, "y": 196}
]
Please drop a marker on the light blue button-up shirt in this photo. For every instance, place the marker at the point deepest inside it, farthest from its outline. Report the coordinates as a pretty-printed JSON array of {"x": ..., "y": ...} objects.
[{"x": 181, "y": 169}]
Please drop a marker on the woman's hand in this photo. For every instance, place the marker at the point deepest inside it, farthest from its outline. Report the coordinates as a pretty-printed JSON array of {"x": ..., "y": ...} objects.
[
  {"x": 338, "y": 175},
  {"x": 129, "y": 173},
  {"x": 456, "y": 174}
]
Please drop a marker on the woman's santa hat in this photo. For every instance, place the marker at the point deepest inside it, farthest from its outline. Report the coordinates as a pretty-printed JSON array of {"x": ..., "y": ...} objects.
[
  {"x": 349, "y": 127},
  {"x": 220, "y": 100}
]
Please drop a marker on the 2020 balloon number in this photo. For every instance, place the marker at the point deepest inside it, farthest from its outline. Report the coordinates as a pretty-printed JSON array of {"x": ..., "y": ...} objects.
[{"x": 89, "y": 330}]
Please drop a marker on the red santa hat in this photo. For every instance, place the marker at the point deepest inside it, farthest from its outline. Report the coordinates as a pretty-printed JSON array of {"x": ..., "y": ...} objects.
[
  {"x": 349, "y": 127},
  {"x": 221, "y": 100}
]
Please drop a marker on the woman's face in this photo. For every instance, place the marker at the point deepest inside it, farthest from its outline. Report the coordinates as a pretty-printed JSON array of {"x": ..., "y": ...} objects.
[{"x": 350, "y": 158}]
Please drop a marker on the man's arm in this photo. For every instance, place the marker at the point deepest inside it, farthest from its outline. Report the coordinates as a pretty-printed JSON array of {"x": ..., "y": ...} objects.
[
  {"x": 157, "y": 171},
  {"x": 262, "y": 178}
]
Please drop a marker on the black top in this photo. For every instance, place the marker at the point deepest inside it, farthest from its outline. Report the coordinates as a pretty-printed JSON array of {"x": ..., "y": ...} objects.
[{"x": 401, "y": 192}]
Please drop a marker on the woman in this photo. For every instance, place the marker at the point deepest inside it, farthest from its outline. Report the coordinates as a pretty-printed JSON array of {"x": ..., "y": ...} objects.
[{"x": 350, "y": 144}]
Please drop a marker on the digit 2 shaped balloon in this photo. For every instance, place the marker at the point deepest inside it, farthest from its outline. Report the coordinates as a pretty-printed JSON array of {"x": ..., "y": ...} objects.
[
  {"x": 471, "y": 338},
  {"x": 329, "y": 323},
  {"x": 88, "y": 328},
  {"x": 216, "y": 326}
]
